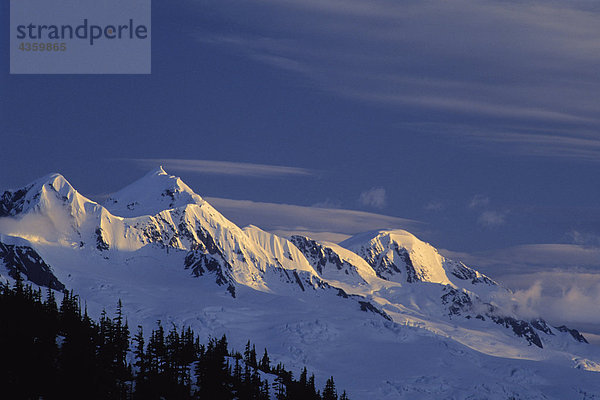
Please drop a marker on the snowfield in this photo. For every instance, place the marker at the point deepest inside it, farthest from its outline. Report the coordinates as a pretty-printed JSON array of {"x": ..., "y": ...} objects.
[{"x": 383, "y": 312}]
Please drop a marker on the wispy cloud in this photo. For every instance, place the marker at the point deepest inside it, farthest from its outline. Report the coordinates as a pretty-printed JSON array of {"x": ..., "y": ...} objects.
[
  {"x": 487, "y": 218},
  {"x": 527, "y": 63},
  {"x": 552, "y": 144},
  {"x": 465, "y": 105},
  {"x": 531, "y": 139},
  {"x": 583, "y": 238},
  {"x": 479, "y": 200},
  {"x": 531, "y": 258},
  {"x": 491, "y": 218},
  {"x": 374, "y": 197},
  {"x": 434, "y": 206},
  {"x": 223, "y": 167}
]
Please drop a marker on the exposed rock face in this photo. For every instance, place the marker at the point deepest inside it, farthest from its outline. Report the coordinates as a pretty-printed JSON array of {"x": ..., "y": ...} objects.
[{"x": 24, "y": 260}]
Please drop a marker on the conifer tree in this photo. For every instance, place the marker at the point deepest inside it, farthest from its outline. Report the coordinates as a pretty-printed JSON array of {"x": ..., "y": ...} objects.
[
  {"x": 280, "y": 389},
  {"x": 253, "y": 362},
  {"x": 265, "y": 362},
  {"x": 264, "y": 394},
  {"x": 247, "y": 353},
  {"x": 141, "y": 365},
  {"x": 303, "y": 378},
  {"x": 329, "y": 392},
  {"x": 50, "y": 305},
  {"x": 18, "y": 283},
  {"x": 311, "y": 384}
]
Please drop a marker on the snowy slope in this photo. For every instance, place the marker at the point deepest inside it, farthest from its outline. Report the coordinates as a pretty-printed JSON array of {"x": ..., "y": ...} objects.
[
  {"x": 282, "y": 250},
  {"x": 383, "y": 312}
]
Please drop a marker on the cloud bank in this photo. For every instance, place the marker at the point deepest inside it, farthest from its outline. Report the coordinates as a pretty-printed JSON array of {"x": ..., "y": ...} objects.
[
  {"x": 330, "y": 224},
  {"x": 560, "y": 282}
]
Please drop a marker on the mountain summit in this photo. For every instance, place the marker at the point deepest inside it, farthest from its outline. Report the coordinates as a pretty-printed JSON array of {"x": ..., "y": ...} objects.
[{"x": 155, "y": 192}]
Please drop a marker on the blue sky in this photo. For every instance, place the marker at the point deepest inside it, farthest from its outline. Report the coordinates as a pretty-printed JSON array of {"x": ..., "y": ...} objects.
[{"x": 473, "y": 124}]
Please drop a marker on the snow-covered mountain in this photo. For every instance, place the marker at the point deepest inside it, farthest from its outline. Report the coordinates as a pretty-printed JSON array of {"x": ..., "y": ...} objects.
[{"x": 382, "y": 311}]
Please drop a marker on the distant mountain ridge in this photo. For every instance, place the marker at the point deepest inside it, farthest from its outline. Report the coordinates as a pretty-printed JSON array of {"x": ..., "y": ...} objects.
[{"x": 157, "y": 221}]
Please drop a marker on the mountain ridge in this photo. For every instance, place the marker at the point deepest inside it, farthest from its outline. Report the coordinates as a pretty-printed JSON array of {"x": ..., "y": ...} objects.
[{"x": 389, "y": 275}]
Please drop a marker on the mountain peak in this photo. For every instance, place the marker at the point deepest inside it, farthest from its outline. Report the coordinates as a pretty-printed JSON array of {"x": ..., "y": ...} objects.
[
  {"x": 399, "y": 256},
  {"x": 51, "y": 177},
  {"x": 40, "y": 193},
  {"x": 54, "y": 179},
  {"x": 154, "y": 192},
  {"x": 158, "y": 171}
]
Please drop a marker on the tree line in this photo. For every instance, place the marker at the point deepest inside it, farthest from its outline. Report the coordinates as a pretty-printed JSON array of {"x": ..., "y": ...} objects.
[{"x": 52, "y": 351}]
